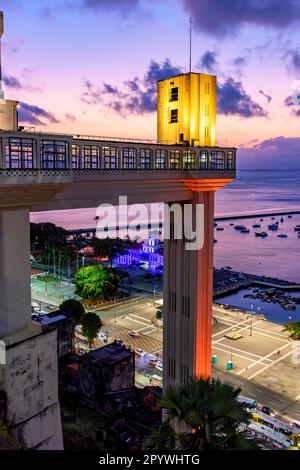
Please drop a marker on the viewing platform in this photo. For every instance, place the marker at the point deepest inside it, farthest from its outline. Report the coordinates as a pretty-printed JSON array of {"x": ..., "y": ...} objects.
[{"x": 65, "y": 170}]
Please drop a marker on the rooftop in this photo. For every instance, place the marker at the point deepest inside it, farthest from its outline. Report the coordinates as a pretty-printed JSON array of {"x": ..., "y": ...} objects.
[{"x": 107, "y": 354}]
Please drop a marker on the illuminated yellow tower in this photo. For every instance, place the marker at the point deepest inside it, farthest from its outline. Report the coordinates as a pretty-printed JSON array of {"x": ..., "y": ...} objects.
[
  {"x": 186, "y": 109},
  {"x": 8, "y": 108}
]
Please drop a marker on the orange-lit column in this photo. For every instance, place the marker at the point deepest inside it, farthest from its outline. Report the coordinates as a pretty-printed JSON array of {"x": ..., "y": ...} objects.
[{"x": 188, "y": 292}]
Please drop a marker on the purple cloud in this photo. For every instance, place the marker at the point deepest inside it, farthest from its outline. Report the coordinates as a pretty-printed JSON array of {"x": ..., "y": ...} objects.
[
  {"x": 292, "y": 58},
  {"x": 137, "y": 96},
  {"x": 233, "y": 100},
  {"x": 221, "y": 17},
  {"x": 70, "y": 117},
  {"x": 208, "y": 61},
  {"x": 276, "y": 153},
  {"x": 31, "y": 114},
  {"x": 293, "y": 101},
  {"x": 124, "y": 7},
  {"x": 266, "y": 96},
  {"x": 14, "y": 83}
]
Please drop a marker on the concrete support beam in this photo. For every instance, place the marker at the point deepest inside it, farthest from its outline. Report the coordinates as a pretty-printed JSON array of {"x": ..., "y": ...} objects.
[
  {"x": 188, "y": 281},
  {"x": 15, "y": 297}
]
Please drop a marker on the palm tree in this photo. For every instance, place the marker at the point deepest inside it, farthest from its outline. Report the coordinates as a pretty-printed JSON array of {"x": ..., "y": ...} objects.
[
  {"x": 205, "y": 415},
  {"x": 78, "y": 240}
]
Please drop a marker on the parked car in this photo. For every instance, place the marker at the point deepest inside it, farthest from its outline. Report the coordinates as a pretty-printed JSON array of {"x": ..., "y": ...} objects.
[
  {"x": 134, "y": 333},
  {"x": 140, "y": 352}
]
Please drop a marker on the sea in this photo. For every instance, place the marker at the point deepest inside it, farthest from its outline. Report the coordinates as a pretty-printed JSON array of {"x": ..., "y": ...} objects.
[{"x": 253, "y": 192}]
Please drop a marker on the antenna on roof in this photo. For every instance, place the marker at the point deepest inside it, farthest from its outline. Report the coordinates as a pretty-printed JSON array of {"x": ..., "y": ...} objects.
[{"x": 190, "y": 21}]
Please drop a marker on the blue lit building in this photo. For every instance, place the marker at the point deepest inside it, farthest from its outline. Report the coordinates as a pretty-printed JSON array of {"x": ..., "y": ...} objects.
[{"x": 148, "y": 255}]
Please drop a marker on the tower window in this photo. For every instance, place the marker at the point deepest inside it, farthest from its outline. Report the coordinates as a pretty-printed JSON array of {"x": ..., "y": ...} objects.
[
  {"x": 174, "y": 116},
  {"x": 174, "y": 94}
]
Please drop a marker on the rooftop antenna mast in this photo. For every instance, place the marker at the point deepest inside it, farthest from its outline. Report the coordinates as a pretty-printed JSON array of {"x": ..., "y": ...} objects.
[{"x": 190, "y": 21}]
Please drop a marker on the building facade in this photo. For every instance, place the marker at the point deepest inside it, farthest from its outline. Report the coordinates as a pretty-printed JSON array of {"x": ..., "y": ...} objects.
[
  {"x": 107, "y": 369},
  {"x": 186, "y": 110},
  {"x": 150, "y": 255}
]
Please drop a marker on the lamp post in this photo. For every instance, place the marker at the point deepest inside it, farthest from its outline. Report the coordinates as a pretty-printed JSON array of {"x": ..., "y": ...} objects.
[{"x": 251, "y": 326}]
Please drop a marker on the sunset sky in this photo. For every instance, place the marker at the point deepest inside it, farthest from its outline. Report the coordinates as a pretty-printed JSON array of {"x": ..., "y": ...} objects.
[{"x": 91, "y": 66}]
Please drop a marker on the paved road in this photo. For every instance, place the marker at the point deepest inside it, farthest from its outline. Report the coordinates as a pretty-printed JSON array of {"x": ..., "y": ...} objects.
[{"x": 285, "y": 407}]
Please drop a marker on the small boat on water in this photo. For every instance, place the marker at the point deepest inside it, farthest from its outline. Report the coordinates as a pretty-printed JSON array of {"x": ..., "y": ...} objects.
[
  {"x": 245, "y": 230},
  {"x": 220, "y": 229},
  {"x": 239, "y": 227},
  {"x": 289, "y": 216},
  {"x": 297, "y": 228},
  {"x": 282, "y": 235},
  {"x": 261, "y": 234},
  {"x": 215, "y": 224},
  {"x": 215, "y": 241},
  {"x": 282, "y": 219},
  {"x": 256, "y": 225},
  {"x": 273, "y": 227}
]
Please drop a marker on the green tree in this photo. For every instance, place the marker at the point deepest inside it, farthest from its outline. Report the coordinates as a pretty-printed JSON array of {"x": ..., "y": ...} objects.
[
  {"x": 50, "y": 239},
  {"x": 73, "y": 308},
  {"x": 95, "y": 282},
  {"x": 108, "y": 248},
  {"x": 158, "y": 314},
  {"x": 91, "y": 325},
  {"x": 293, "y": 327},
  {"x": 204, "y": 415}
]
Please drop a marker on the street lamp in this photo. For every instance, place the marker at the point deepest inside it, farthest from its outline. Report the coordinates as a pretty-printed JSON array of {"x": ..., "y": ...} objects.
[{"x": 251, "y": 326}]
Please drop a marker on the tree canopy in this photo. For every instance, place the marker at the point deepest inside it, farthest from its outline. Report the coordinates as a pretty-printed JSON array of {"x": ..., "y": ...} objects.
[
  {"x": 74, "y": 308},
  {"x": 91, "y": 325},
  {"x": 46, "y": 234},
  {"x": 293, "y": 327},
  {"x": 108, "y": 247},
  {"x": 97, "y": 282}
]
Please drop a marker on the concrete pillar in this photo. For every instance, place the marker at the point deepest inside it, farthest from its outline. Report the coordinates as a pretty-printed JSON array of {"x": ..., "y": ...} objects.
[
  {"x": 188, "y": 289},
  {"x": 28, "y": 365},
  {"x": 15, "y": 301}
]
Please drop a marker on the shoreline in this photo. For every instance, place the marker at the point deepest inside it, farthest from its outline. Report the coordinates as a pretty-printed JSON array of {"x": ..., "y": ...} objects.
[
  {"x": 217, "y": 218},
  {"x": 257, "y": 214}
]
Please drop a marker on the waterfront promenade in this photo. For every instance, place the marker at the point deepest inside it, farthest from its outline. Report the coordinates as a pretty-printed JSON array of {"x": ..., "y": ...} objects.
[{"x": 262, "y": 352}]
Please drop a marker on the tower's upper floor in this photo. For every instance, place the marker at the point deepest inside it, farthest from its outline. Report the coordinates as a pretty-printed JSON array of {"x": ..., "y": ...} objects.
[{"x": 186, "y": 110}]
